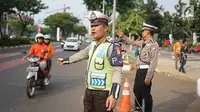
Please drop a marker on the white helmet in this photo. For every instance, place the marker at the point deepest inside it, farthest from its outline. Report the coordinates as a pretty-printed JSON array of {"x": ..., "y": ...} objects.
[
  {"x": 47, "y": 37},
  {"x": 38, "y": 35}
]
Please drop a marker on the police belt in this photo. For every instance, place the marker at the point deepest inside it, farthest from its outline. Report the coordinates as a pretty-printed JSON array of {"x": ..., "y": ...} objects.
[{"x": 142, "y": 66}]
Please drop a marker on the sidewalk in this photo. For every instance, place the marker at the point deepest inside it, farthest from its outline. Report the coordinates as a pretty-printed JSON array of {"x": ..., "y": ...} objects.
[{"x": 166, "y": 66}]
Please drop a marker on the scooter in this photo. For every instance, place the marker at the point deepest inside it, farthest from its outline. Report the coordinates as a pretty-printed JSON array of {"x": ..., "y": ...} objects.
[{"x": 35, "y": 77}]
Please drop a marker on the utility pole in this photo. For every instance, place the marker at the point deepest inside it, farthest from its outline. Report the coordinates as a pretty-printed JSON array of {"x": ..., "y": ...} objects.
[
  {"x": 103, "y": 6},
  {"x": 6, "y": 23},
  {"x": 113, "y": 25}
]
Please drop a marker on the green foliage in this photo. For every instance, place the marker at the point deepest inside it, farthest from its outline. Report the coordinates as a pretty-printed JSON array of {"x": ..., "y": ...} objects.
[
  {"x": 4, "y": 37},
  {"x": 16, "y": 25},
  {"x": 153, "y": 14},
  {"x": 24, "y": 9},
  {"x": 167, "y": 20},
  {"x": 5, "y": 6},
  {"x": 121, "y": 5},
  {"x": 65, "y": 21},
  {"x": 15, "y": 41},
  {"x": 80, "y": 30},
  {"x": 131, "y": 22},
  {"x": 28, "y": 8}
]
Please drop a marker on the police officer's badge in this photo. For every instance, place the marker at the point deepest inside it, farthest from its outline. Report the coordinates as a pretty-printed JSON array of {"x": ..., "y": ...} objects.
[{"x": 93, "y": 16}]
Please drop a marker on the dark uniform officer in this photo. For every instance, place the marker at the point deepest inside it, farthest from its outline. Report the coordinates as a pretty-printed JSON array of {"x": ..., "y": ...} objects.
[
  {"x": 104, "y": 69},
  {"x": 146, "y": 65}
]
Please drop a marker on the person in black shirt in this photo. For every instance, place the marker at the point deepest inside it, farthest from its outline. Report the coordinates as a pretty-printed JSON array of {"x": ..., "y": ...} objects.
[{"x": 183, "y": 57}]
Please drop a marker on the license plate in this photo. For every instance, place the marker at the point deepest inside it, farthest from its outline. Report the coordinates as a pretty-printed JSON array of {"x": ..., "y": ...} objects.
[
  {"x": 32, "y": 69},
  {"x": 70, "y": 46}
]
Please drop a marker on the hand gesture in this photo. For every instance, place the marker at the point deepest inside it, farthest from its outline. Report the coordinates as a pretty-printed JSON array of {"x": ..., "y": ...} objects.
[
  {"x": 119, "y": 33},
  {"x": 147, "y": 81},
  {"x": 24, "y": 57},
  {"x": 111, "y": 103},
  {"x": 60, "y": 61}
]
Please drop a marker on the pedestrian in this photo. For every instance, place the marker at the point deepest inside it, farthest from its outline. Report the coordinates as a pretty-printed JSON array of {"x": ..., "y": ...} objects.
[
  {"x": 104, "y": 70},
  {"x": 177, "y": 52},
  {"x": 160, "y": 45},
  {"x": 183, "y": 56},
  {"x": 146, "y": 65},
  {"x": 137, "y": 48},
  {"x": 167, "y": 44}
]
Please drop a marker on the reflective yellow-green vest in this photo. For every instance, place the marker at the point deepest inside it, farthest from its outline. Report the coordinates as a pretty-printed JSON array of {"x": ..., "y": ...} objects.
[{"x": 99, "y": 75}]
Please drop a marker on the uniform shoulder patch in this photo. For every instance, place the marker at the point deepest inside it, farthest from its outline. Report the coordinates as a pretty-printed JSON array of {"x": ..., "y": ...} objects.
[{"x": 116, "y": 56}]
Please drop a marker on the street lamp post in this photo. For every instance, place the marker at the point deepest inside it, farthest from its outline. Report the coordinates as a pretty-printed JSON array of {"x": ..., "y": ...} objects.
[{"x": 113, "y": 25}]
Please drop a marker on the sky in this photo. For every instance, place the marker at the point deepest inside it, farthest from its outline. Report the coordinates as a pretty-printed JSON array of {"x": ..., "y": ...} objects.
[{"x": 79, "y": 9}]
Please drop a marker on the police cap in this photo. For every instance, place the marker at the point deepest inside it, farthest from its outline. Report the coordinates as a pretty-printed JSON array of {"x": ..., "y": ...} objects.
[{"x": 97, "y": 18}]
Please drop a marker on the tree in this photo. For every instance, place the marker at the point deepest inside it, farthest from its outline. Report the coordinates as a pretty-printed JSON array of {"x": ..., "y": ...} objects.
[
  {"x": 131, "y": 22},
  {"x": 167, "y": 20},
  {"x": 80, "y": 30},
  {"x": 5, "y": 6},
  {"x": 181, "y": 25},
  {"x": 26, "y": 8},
  {"x": 65, "y": 21},
  {"x": 121, "y": 6},
  {"x": 153, "y": 13},
  {"x": 16, "y": 25},
  {"x": 196, "y": 20},
  {"x": 44, "y": 30}
]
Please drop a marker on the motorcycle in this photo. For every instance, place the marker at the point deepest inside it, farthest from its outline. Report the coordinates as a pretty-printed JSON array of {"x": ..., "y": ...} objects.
[{"x": 35, "y": 77}]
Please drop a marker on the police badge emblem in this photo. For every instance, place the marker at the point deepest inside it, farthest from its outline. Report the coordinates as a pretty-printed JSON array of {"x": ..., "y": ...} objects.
[{"x": 92, "y": 16}]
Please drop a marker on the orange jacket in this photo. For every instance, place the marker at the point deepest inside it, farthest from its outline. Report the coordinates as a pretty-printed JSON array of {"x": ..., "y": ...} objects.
[
  {"x": 36, "y": 50},
  {"x": 177, "y": 48},
  {"x": 50, "y": 50}
]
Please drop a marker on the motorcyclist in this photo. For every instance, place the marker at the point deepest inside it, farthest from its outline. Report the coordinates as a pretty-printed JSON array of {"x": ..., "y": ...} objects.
[
  {"x": 50, "y": 54},
  {"x": 38, "y": 50}
]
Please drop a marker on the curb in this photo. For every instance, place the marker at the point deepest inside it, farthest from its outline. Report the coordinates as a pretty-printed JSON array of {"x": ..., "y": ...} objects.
[
  {"x": 180, "y": 76},
  {"x": 14, "y": 46}
]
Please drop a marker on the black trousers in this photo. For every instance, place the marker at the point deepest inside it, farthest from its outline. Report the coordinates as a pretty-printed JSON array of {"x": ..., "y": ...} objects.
[
  {"x": 142, "y": 91},
  {"x": 95, "y": 101}
]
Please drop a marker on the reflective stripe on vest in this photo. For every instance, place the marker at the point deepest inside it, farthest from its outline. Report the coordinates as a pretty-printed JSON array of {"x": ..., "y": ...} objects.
[{"x": 99, "y": 75}]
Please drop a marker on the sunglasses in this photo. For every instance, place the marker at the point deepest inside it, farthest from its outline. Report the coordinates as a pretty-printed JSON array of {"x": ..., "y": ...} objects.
[{"x": 40, "y": 37}]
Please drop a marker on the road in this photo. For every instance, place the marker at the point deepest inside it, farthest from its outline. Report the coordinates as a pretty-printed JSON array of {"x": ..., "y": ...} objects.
[{"x": 66, "y": 89}]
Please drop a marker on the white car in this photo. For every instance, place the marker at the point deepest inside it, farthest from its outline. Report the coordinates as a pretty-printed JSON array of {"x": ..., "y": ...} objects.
[{"x": 71, "y": 44}]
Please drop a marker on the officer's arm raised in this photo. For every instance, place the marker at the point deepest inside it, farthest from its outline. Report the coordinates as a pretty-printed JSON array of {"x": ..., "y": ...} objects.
[
  {"x": 116, "y": 62},
  {"x": 83, "y": 54},
  {"x": 126, "y": 39}
]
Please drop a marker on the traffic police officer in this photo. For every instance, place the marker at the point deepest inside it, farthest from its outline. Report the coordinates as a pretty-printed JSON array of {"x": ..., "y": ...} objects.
[
  {"x": 104, "y": 69},
  {"x": 146, "y": 65}
]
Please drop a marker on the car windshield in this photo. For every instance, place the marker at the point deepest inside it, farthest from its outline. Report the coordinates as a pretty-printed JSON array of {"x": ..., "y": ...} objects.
[{"x": 71, "y": 40}]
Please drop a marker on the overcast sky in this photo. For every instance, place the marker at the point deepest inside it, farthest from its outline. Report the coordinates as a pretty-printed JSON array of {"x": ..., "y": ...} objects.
[{"x": 78, "y": 9}]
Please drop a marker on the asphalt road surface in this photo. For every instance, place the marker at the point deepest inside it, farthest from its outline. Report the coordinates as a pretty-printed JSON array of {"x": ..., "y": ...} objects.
[{"x": 66, "y": 90}]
